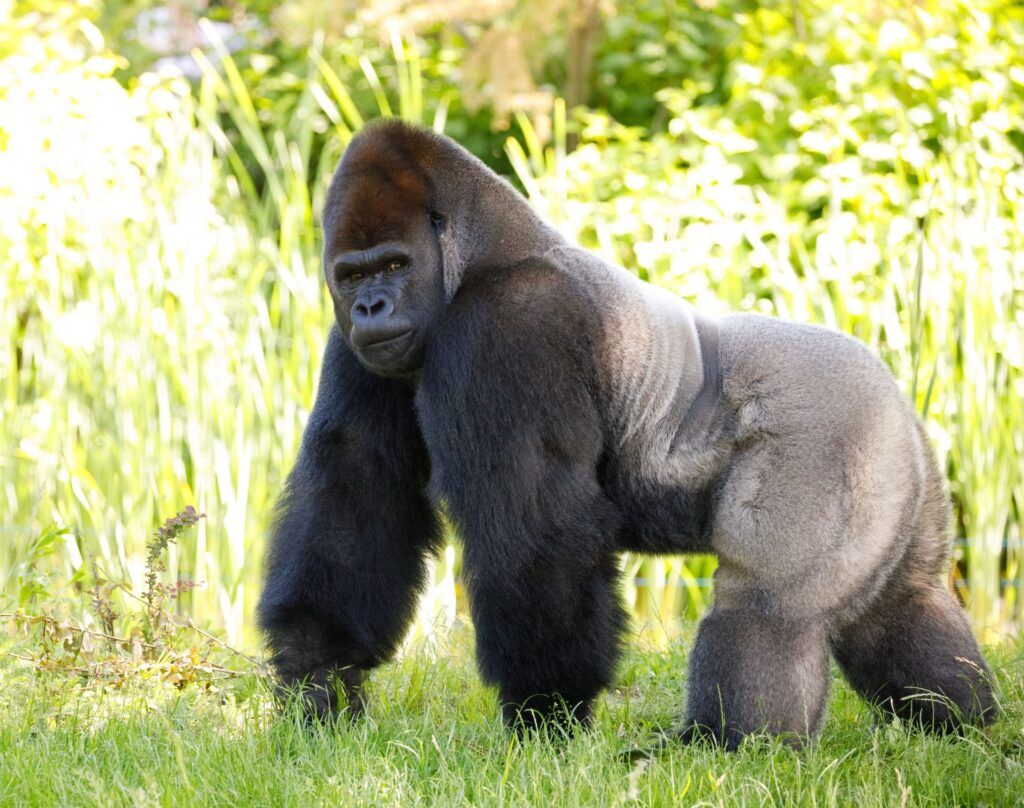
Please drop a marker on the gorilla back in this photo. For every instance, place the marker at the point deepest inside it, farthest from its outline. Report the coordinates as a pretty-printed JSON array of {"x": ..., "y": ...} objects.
[{"x": 566, "y": 412}]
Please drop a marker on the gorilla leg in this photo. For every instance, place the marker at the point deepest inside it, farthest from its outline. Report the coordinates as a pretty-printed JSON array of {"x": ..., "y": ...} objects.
[
  {"x": 548, "y": 636},
  {"x": 346, "y": 559},
  {"x": 914, "y": 655},
  {"x": 515, "y": 440},
  {"x": 750, "y": 673}
]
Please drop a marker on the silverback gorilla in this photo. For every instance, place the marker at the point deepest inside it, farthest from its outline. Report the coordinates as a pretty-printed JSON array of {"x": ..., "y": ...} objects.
[{"x": 562, "y": 411}]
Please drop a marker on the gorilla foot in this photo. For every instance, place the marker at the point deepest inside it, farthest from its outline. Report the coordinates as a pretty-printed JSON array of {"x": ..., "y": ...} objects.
[
  {"x": 328, "y": 695},
  {"x": 730, "y": 738},
  {"x": 546, "y": 712},
  {"x": 916, "y": 658}
]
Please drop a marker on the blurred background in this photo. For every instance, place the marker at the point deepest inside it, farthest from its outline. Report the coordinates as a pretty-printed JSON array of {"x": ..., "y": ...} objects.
[{"x": 162, "y": 167}]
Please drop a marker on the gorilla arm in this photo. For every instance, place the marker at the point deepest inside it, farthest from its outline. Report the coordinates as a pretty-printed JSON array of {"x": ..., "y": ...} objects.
[
  {"x": 514, "y": 436},
  {"x": 354, "y": 525},
  {"x": 346, "y": 559}
]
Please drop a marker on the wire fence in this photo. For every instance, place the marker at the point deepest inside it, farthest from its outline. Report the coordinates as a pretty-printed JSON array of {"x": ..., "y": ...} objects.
[{"x": 638, "y": 581}]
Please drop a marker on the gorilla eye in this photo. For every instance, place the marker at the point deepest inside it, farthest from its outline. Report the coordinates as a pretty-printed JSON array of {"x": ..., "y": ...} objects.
[
  {"x": 394, "y": 266},
  {"x": 356, "y": 276}
]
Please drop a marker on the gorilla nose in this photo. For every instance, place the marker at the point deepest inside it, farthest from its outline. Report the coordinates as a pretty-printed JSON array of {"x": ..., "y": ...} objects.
[
  {"x": 372, "y": 310},
  {"x": 374, "y": 321}
]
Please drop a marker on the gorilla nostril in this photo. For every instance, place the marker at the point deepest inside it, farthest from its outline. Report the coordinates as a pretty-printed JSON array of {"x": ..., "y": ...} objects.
[{"x": 375, "y": 308}]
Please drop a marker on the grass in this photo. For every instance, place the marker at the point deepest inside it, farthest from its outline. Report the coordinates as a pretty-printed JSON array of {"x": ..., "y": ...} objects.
[{"x": 432, "y": 736}]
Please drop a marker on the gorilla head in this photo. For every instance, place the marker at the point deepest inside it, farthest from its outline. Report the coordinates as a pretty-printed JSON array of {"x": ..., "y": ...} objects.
[
  {"x": 407, "y": 215},
  {"x": 382, "y": 257}
]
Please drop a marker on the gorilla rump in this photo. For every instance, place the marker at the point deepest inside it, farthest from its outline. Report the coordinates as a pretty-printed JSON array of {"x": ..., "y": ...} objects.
[{"x": 566, "y": 412}]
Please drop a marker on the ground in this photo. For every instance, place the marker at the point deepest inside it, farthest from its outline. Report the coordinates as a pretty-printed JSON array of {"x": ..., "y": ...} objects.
[{"x": 432, "y": 736}]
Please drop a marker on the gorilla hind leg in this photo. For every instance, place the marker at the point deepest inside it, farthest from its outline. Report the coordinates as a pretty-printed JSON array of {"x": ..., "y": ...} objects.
[
  {"x": 752, "y": 673},
  {"x": 914, "y": 656}
]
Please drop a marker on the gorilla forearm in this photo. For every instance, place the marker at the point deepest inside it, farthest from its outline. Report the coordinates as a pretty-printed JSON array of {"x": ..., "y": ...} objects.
[
  {"x": 346, "y": 560},
  {"x": 340, "y": 596},
  {"x": 518, "y": 476}
]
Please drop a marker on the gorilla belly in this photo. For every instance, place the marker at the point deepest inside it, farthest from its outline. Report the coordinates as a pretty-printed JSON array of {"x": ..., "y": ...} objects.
[{"x": 663, "y": 519}]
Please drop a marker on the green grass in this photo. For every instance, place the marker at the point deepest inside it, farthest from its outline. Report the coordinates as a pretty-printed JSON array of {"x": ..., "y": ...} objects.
[{"x": 432, "y": 736}]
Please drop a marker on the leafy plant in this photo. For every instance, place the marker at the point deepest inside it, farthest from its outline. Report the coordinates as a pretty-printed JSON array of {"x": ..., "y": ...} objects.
[{"x": 143, "y": 640}]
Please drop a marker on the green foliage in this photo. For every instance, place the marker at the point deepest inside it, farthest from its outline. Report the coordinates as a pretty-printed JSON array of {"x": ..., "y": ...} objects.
[
  {"x": 651, "y": 45},
  {"x": 133, "y": 333},
  {"x": 29, "y": 578},
  {"x": 115, "y": 648},
  {"x": 155, "y": 593},
  {"x": 855, "y": 164}
]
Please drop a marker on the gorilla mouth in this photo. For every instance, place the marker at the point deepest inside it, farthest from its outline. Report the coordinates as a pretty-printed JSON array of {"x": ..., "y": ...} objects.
[
  {"x": 388, "y": 355},
  {"x": 384, "y": 343}
]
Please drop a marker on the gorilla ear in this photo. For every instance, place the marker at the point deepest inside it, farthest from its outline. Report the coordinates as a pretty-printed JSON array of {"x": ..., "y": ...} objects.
[
  {"x": 452, "y": 262},
  {"x": 450, "y": 234}
]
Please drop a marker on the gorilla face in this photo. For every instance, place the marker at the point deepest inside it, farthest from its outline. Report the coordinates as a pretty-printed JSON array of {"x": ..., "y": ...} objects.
[
  {"x": 383, "y": 258},
  {"x": 388, "y": 296}
]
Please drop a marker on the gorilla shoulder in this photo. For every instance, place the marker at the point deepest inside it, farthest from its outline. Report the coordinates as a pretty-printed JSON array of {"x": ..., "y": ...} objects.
[{"x": 530, "y": 318}]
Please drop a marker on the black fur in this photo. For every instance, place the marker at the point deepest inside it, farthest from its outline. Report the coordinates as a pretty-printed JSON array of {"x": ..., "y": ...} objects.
[
  {"x": 512, "y": 424},
  {"x": 354, "y": 526}
]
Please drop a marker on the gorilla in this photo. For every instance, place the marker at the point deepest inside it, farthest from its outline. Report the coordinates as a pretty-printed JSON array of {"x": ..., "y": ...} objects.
[{"x": 561, "y": 412}]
